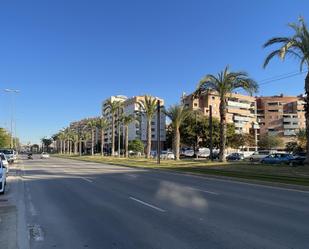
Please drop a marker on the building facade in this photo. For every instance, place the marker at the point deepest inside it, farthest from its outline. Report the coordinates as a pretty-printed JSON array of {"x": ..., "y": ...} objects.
[
  {"x": 240, "y": 109},
  {"x": 281, "y": 116},
  {"x": 137, "y": 129}
]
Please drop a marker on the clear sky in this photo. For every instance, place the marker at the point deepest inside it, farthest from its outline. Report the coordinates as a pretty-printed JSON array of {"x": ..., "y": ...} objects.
[{"x": 66, "y": 56}]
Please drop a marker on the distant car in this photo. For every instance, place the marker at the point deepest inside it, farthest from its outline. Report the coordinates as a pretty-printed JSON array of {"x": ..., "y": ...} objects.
[
  {"x": 277, "y": 158},
  {"x": 10, "y": 154},
  {"x": 259, "y": 155},
  {"x": 44, "y": 155},
  {"x": 298, "y": 159},
  {"x": 4, "y": 161},
  {"x": 235, "y": 157},
  {"x": 2, "y": 178},
  {"x": 167, "y": 155}
]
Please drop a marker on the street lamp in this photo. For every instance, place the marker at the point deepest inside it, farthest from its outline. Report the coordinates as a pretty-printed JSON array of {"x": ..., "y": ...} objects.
[{"x": 12, "y": 92}]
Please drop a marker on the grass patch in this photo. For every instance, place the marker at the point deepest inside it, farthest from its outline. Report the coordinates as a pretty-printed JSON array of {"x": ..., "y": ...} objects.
[{"x": 245, "y": 170}]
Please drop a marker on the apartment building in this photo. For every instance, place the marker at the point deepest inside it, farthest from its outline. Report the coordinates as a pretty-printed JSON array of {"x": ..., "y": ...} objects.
[
  {"x": 281, "y": 115},
  {"x": 137, "y": 129},
  {"x": 240, "y": 110}
]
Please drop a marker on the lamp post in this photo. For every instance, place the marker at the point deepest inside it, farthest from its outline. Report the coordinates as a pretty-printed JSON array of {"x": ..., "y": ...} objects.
[{"x": 12, "y": 92}]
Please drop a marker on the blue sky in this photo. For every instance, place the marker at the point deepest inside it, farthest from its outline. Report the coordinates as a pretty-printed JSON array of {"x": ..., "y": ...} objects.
[{"x": 67, "y": 56}]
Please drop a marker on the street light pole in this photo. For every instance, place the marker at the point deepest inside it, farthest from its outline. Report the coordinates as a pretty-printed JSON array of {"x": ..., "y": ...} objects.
[
  {"x": 158, "y": 131},
  {"x": 12, "y": 92}
]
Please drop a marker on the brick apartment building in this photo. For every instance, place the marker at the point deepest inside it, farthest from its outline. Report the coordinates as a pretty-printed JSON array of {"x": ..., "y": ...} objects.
[{"x": 281, "y": 115}]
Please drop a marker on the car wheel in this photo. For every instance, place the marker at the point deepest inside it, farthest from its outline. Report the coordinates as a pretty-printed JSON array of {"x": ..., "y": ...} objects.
[
  {"x": 251, "y": 159},
  {"x": 2, "y": 193}
]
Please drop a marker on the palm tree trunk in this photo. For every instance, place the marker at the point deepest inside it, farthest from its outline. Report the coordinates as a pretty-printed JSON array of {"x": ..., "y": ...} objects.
[
  {"x": 113, "y": 134},
  {"x": 307, "y": 117},
  {"x": 102, "y": 142},
  {"x": 177, "y": 143},
  {"x": 70, "y": 147},
  {"x": 61, "y": 146},
  {"x": 127, "y": 141},
  {"x": 80, "y": 147},
  {"x": 64, "y": 146},
  {"x": 92, "y": 141},
  {"x": 148, "y": 138},
  {"x": 222, "y": 129},
  {"x": 75, "y": 147}
]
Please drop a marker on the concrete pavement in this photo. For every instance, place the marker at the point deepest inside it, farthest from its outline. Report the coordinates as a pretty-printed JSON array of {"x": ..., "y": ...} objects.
[{"x": 74, "y": 204}]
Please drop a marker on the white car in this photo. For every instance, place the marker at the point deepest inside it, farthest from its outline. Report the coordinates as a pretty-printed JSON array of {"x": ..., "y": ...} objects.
[
  {"x": 4, "y": 161},
  {"x": 259, "y": 155},
  {"x": 44, "y": 155},
  {"x": 167, "y": 155},
  {"x": 2, "y": 178}
]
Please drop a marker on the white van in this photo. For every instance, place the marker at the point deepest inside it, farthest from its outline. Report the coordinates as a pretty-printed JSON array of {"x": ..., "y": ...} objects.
[{"x": 2, "y": 178}]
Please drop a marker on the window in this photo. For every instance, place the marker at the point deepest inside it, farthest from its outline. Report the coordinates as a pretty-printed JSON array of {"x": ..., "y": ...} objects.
[{"x": 195, "y": 104}]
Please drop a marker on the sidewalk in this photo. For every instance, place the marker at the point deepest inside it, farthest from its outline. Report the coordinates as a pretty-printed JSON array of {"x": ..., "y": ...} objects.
[{"x": 8, "y": 225}]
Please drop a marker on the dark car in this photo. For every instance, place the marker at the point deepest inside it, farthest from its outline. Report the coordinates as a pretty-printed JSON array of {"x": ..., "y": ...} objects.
[
  {"x": 298, "y": 159},
  {"x": 235, "y": 157},
  {"x": 277, "y": 158}
]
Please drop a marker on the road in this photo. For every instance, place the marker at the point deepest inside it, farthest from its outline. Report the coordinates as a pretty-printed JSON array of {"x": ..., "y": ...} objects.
[{"x": 72, "y": 204}]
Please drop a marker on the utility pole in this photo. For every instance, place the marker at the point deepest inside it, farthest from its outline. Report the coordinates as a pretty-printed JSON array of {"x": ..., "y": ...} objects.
[
  {"x": 12, "y": 92},
  {"x": 158, "y": 131},
  {"x": 210, "y": 133}
]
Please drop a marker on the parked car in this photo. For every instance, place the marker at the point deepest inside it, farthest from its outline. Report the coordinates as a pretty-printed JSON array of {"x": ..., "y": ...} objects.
[
  {"x": 2, "y": 178},
  {"x": 44, "y": 155},
  {"x": 277, "y": 158},
  {"x": 10, "y": 154},
  {"x": 4, "y": 161},
  {"x": 259, "y": 155},
  {"x": 298, "y": 159},
  {"x": 235, "y": 157},
  {"x": 167, "y": 155}
]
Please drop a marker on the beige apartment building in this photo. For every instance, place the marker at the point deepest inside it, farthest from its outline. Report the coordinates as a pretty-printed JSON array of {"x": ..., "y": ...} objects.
[
  {"x": 241, "y": 109},
  {"x": 281, "y": 115},
  {"x": 137, "y": 129}
]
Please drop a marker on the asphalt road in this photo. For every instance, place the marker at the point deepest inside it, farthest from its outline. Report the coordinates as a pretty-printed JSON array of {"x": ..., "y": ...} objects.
[{"x": 72, "y": 204}]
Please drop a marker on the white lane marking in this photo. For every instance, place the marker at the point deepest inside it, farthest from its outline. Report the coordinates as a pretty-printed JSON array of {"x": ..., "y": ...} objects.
[
  {"x": 86, "y": 179},
  {"x": 147, "y": 204},
  {"x": 204, "y": 191}
]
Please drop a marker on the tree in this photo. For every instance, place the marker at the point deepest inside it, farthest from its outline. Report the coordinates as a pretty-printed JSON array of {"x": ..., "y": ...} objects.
[
  {"x": 75, "y": 140},
  {"x": 5, "y": 138},
  {"x": 85, "y": 136},
  {"x": 92, "y": 124},
  {"x": 296, "y": 45},
  {"x": 136, "y": 145},
  {"x": 224, "y": 83},
  {"x": 270, "y": 142},
  {"x": 126, "y": 120},
  {"x": 113, "y": 107},
  {"x": 301, "y": 137},
  {"x": 61, "y": 137},
  {"x": 46, "y": 143},
  {"x": 177, "y": 114},
  {"x": 241, "y": 140},
  {"x": 102, "y": 125},
  {"x": 195, "y": 131},
  {"x": 149, "y": 107}
]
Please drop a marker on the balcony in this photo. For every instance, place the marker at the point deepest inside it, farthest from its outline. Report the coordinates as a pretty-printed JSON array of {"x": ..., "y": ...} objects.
[
  {"x": 241, "y": 118},
  {"x": 238, "y": 104},
  {"x": 290, "y": 119},
  {"x": 290, "y": 126},
  {"x": 289, "y": 133}
]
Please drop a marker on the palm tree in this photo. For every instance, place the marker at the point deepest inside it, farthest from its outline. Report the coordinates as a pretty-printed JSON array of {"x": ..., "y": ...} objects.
[
  {"x": 85, "y": 136},
  {"x": 92, "y": 124},
  {"x": 75, "y": 140},
  {"x": 224, "y": 83},
  {"x": 126, "y": 120},
  {"x": 102, "y": 124},
  {"x": 61, "y": 138},
  {"x": 148, "y": 107},
  {"x": 113, "y": 107},
  {"x": 177, "y": 114},
  {"x": 296, "y": 45}
]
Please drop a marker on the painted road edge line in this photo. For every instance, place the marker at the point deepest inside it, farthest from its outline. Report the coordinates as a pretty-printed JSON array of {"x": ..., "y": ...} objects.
[
  {"x": 86, "y": 179},
  {"x": 147, "y": 204},
  {"x": 204, "y": 191}
]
